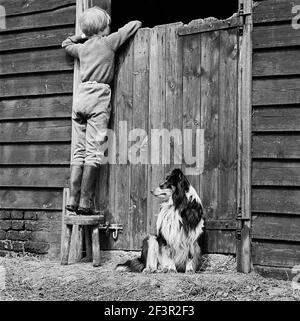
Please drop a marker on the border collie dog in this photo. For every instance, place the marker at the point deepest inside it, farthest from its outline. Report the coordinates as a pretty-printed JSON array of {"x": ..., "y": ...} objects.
[{"x": 179, "y": 226}]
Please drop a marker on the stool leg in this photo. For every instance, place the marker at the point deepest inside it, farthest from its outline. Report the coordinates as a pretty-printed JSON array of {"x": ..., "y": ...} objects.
[
  {"x": 76, "y": 246},
  {"x": 66, "y": 244},
  {"x": 96, "y": 247},
  {"x": 88, "y": 243}
]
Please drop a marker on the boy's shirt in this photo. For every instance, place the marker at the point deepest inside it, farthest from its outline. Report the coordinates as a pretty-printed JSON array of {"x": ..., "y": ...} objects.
[{"x": 97, "y": 54}]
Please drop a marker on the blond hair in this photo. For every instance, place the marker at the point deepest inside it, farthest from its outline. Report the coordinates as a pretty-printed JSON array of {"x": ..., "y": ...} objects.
[{"x": 94, "y": 21}]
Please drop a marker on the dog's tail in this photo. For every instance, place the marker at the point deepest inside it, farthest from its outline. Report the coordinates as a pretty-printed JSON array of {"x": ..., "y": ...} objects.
[
  {"x": 138, "y": 264},
  {"x": 135, "y": 265}
]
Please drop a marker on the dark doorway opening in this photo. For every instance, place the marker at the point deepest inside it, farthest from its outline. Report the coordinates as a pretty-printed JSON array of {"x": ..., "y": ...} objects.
[{"x": 157, "y": 12}]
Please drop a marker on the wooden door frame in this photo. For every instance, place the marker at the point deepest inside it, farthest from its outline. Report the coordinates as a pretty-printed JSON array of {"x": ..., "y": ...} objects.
[
  {"x": 243, "y": 252},
  {"x": 244, "y": 263}
]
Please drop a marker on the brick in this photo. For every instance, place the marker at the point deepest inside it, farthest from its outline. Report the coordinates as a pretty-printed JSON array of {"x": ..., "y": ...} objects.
[
  {"x": 40, "y": 236},
  {"x": 37, "y": 225},
  {"x": 5, "y": 245},
  {"x": 37, "y": 247},
  {"x": 30, "y": 215},
  {"x": 45, "y": 236},
  {"x": 18, "y": 246},
  {"x": 12, "y": 235},
  {"x": 9, "y": 245},
  {"x": 31, "y": 225},
  {"x": 4, "y": 253},
  {"x": 17, "y": 225},
  {"x": 2, "y": 235},
  {"x": 4, "y": 215},
  {"x": 18, "y": 235},
  {"x": 49, "y": 216},
  {"x": 5, "y": 225},
  {"x": 17, "y": 215}
]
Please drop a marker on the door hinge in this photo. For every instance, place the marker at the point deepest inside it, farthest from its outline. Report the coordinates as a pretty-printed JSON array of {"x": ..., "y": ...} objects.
[
  {"x": 242, "y": 12},
  {"x": 238, "y": 235},
  {"x": 240, "y": 223},
  {"x": 242, "y": 15},
  {"x": 239, "y": 213}
]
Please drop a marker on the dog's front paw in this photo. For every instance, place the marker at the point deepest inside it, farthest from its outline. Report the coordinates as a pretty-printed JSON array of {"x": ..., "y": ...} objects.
[
  {"x": 169, "y": 270},
  {"x": 189, "y": 271},
  {"x": 149, "y": 270}
]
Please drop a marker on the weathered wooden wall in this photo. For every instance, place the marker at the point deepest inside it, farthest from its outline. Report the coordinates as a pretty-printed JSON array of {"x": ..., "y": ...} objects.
[
  {"x": 35, "y": 128},
  {"x": 168, "y": 81},
  {"x": 162, "y": 81},
  {"x": 276, "y": 138}
]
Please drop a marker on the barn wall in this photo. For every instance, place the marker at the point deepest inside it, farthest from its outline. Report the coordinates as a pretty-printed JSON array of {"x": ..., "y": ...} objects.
[
  {"x": 35, "y": 128},
  {"x": 276, "y": 139}
]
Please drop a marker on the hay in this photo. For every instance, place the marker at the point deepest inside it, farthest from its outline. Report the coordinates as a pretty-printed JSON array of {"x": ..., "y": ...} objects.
[{"x": 35, "y": 278}]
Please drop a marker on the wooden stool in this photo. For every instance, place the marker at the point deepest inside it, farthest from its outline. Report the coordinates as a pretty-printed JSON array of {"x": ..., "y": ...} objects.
[{"x": 76, "y": 230}]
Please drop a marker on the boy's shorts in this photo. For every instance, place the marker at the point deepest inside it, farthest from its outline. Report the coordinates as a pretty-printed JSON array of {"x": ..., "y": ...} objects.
[
  {"x": 92, "y": 98},
  {"x": 90, "y": 116}
]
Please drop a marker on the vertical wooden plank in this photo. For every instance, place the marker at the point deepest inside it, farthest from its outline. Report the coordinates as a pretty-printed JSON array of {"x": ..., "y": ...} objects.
[
  {"x": 96, "y": 247},
  {"x": 227, "y": 200},
  {"x": 66, "y": 192},
  {"x": 157, "y": 100},
  {"x": 139, "y": 149},
  {"x": 244, "y": 139},
  {"x": 103, "y": 192},
  {"x": 66, "y": 231},
  {"x": 106, "y": 187},
  {"x": 174, "y": 94},
  {"x": 210, "y": 43},
  {"x": 192, "y": 96},
  {"x": 81, "y": 5},
  {"x": 121, "y": 176}
]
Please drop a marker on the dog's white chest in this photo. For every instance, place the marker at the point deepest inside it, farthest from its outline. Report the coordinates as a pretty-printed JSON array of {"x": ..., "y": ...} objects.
[{"x": 169, "y": 223}]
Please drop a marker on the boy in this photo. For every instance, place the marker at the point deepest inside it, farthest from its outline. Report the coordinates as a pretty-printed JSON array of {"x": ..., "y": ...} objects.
[{"x": 91, "y": 103}]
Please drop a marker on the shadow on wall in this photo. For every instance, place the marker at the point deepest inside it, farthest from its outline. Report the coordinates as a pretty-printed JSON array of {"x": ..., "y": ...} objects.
[{"x": 157, "y": 12}]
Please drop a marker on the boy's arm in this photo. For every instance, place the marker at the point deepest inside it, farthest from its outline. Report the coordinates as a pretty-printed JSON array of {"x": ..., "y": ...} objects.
[
  {"x": 116, "y": 39},
  {"x": 72, "y": 45}
]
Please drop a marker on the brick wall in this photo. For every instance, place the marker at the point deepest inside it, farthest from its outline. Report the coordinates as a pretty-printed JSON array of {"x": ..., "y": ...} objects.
[{"x": 30, "y": 231}]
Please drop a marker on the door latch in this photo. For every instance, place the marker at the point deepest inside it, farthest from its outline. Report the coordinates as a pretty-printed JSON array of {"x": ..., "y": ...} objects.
[{"x": 115, "y": 228}]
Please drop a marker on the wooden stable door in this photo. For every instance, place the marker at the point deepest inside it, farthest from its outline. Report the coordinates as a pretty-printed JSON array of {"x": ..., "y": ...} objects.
[{"x": 175, "y": 77}]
